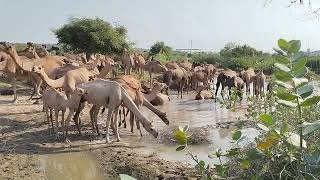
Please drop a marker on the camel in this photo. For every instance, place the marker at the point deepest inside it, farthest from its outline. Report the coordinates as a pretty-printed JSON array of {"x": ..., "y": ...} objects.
[
  {"x": 258, "y": 83},
  {"x": 225, "y": 78},
  {"x": 172, "y": 65},
  {"x": 211, "y": 71},
  {"x": 185, "y": 64},
  {"x": 68, "y": 82},
  {"x": 42, "y": 51},
  {"x": 199, "y": 76},
  {"x": 15, "y": 70},
  {"x": 72, "y": 78},
  {"x": 155, "y": 97},
  {"x": 248, "y": 77},
  {"x": 178, "y": 76},
  {"x": 139, "y": 62},
  {"x": 133, "y": 88},
  {"x": 111, "y": 95},
  {"x": 203, "y": 94},
  {"x": 128, "y": 61},
  {"x": 56, "y": 101},
  {"x": 154, "y": 67}
]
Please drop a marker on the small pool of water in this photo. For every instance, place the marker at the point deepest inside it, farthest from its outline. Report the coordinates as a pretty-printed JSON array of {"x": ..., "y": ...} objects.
[{"x": 70, "y": 166}]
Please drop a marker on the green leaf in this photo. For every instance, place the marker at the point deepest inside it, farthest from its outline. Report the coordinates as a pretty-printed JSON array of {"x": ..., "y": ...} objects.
[
  {"x": 284, "y": 45},
  {"x": 233, "y": 152},
  {"x": 284, "y": 85},
  {"x": 202, "y": 163},
  {"x": 300, "y": 73},
  {"x": 266, "y": 119},
  {"x": 283, "y": 76},
  {"x": 236, "y": 135},
  {"x": 287, "y": 103},
  {"x": 311, "y": 101},
  {"x": 298, "y": 81},
  {"x": 284, "y": 128},
  {"x": 305, "y": 91},
  {"x": 295, "y": 46},
  {"x": 180, "y": 148},
  {"x": 245, "y": 164},
  {"x": 309, "y": 128},
  {"x": 301, "y": 63},
  {"x": 297, "y": 56},
  {"x": 287, "y": 96},
  {"x": 282, "y": 67},
  {"x": 282, "y": 59},
  {"x": 181, "y": 137}
]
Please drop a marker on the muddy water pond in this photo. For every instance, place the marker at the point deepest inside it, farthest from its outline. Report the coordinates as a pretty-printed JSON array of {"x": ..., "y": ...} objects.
[{"x": 195, "y": 114}]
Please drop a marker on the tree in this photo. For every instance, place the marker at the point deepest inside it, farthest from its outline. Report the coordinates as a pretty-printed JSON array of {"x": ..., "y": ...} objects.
[
  {"x": 160, "y": 47},
  {"x": 85, "y": 35},
  {"x": 237, "y": 51}
]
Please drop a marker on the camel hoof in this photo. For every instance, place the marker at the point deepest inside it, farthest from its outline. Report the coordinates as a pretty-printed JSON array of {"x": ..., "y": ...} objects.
[
  {"x": 66, "y": 140},
  {"x": 108, "y": 141}
]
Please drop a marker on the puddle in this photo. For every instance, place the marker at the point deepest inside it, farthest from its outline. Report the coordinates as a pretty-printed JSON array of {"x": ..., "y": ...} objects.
[{"x": 70, "y": 166}]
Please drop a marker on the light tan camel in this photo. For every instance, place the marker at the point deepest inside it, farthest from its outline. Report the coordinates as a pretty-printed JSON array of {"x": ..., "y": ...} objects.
[
  {"x": 15, "y": 71},
  {"x": 258, "y": 83},
  {"x": 154, "y": 67},
  {"x": 139, "y": 63},
  {"x": 155, "y": 97},
  {"x": 128, "y": 61},
  {"x": 111, "y": 95},
  {"x": 69, "y": 81},
  {"x": 56, "y": 101},
  {"x": 248, "y": 77}
]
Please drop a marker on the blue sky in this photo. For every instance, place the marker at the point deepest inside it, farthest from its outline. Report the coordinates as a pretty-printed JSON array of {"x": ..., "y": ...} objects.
[{"x": 210, "y": 24}]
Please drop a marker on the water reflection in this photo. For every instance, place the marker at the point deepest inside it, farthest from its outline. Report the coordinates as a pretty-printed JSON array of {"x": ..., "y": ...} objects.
[{"x": 70, "y": 166}]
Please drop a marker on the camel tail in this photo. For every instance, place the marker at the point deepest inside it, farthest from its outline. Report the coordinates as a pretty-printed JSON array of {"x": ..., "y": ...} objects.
[
  {"x": 134, "y": 109},
  {"x": 161, "y": 115}
]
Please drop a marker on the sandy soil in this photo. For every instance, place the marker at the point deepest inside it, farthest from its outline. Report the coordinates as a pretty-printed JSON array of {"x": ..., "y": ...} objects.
[{"x": 24, "y": 137}]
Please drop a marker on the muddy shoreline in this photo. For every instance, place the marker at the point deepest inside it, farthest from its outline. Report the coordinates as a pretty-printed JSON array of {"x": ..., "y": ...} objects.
[{"x": 24, "y": 137}]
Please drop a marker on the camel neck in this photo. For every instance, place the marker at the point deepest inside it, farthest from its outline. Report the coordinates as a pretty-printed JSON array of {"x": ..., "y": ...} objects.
[
  {"x": 18, "y": 61},
  {"x": 52, "y": 83},
  {"x": 104, "y": 72}
]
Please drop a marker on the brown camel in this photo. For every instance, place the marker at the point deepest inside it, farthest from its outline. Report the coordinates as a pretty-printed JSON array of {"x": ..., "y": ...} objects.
[
  {"x": 199, "y": 77},
  {"x": 248, "y": 77},
  {"x": 128, "y": 61},
  {"x": 172, "y": 65},
  {"x": 211, "y": 71},
  {"x": 177, "y": 76},
  {"x": 225, "y": 78},
  {"x": 258, "y": 83},
  {"x": 155, "y": 97},
  {"x": 185, "y": 64},
  {"x": 139, "y": 63},
  {"x": 111, "y": 95},
  {"x": 154, "y": 67},
  {"x": 203, "y": 94}
]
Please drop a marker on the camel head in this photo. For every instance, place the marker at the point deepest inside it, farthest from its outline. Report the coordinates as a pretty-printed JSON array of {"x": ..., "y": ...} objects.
[
  {"x": 158, "y": 87},
  {"x": 7, "y": 48},
  {"x": 38, "y": 69}
]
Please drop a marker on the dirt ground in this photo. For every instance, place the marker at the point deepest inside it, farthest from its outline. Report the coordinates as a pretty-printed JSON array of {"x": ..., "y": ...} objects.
[{"x": 24, "y": 137}]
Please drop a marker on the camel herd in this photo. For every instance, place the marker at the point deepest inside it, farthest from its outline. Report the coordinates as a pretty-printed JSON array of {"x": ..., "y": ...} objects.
[{"x": 71, "y": 82}]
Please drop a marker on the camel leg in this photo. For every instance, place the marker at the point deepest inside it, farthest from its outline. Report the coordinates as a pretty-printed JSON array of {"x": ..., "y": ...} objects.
[
  {"x": 65, "y": 128},
  {"x": 120, "y": 117},
  {"x": 137, "y": 122},
  {"x": 131, "y": 122},
  {"x": 150, "y": 75},
  {"x": 116, "y": 122},
  {"x": 108, "y": 122},
  {"x": 14, "y": 86},
  {"x": 48, "y": 117},
  {"x": 56, "y": 119},
  {"x": 62, "y": 118},
  {"x": 91, "y": 112},
  {"x": 125, "y": 116},
  {"x": 181, "y": 88},
  {"x": 51, "y": 119}
]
